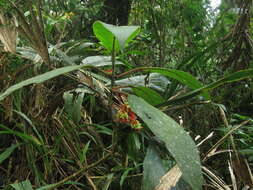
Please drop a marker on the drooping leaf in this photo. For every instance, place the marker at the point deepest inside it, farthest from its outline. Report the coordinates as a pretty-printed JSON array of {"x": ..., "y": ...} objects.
[
  {"x": 23, "y": 136},
  {"x": 181, "y": 76},
  {"x": 177, "y": 141},
  {"x": 153, "y": 169},
  {"x": 122, "y": 34},
  {"x": 39, "y": 79},
  {"x": 4, "y": 155},
  {"x": 149, "y": 95},
  {"x": 31, "y": 124},
  {"x": 237, "y": 76}
]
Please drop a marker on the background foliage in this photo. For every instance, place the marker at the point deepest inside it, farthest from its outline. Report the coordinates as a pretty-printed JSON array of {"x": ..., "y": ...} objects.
[{"x": 87, "y": 102}]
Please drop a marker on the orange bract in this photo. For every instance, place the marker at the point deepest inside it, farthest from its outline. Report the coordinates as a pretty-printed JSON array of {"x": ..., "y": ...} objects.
[{"x": 127, "y": 116}]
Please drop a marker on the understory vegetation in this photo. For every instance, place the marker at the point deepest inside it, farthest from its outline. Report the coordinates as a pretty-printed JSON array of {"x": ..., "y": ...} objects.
[{"x": 126, "y": 94}]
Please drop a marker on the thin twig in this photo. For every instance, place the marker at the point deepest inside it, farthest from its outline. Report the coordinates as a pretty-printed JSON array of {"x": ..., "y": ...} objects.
[{"x": 210, "y": 152}]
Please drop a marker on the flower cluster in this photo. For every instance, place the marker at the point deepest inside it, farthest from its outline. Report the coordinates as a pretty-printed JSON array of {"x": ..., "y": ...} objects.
[
  {"x": 69, "y": 15},
  {"x": 127, "y": 116}
]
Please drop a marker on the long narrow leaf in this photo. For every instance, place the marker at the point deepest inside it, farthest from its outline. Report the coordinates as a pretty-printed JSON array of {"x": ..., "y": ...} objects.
[
  {"x": 180, "y": 76},
  {"x": 177, "y": 141},
  {"x": 7, "y": 152},
  {"x": 237, "y": 76},
  {"x": 39, "y": 79}
]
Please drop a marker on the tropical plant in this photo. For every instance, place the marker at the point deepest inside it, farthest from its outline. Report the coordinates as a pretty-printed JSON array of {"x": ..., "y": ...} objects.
[{"x": 145, "y": 104}]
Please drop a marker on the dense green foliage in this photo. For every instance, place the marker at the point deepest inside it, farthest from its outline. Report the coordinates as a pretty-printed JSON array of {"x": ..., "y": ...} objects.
[{"x": 89, "y": 102}]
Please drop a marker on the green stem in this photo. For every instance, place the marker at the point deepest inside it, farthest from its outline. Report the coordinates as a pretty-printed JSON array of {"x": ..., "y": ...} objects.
[{"x": 115, "y": 127}]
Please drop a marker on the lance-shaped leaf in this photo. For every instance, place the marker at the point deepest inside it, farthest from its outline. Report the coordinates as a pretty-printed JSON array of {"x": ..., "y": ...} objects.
[
  {"x": 177, "y": 141},
  {"x": 39, "y": 79},
  {"x": 4, "y": 155},
  {"x": 237, "y": 76}
]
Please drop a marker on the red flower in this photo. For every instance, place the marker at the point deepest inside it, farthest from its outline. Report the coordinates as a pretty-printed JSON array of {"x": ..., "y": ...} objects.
[
  {"x": 132, "y": 115},
  {"x": 109, "y": 71},
  {"x": 127, "y": 116}
]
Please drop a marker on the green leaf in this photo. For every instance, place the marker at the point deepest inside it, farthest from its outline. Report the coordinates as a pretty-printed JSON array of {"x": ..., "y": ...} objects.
[
  {"x": 46, "y": 187},
  {"x": 24, "y": 185},
  {"x": 149, "y": 95},
  {"x": 108, "y": 182},
  {"x": 240, "y": 75},
  {"x": 133, "y": 146},
  {"x": 124, "y": 175},
  {"x": 31, "y": 124},
  {"x": 177, "y": 141},
  {"x": 107, "y": 32},
  {"x": 39, "y": 79},
  {"x": 153, "y": 169},
  {"x": 181, "y": 76},
  {"x": 84, "y": 152},
  {"x": 73, "y": 105},
  {"x": 53, "y": 186},
  {"x": 23, "y": 136},
  {"x": 8, "y": 152}
]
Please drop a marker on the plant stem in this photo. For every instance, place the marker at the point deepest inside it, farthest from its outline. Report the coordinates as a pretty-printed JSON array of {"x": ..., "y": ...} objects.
[{"x": 115, "y": 128}]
